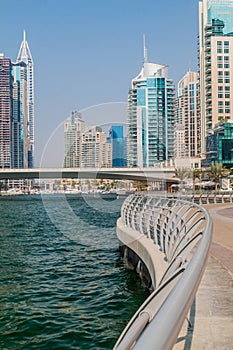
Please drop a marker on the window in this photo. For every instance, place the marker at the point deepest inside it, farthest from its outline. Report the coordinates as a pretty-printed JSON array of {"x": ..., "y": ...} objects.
[
  {"x": 220, "y": 110},
  {"x": 220, "y": 80},
  {"x": 219, "y": 43},
  {"x": 220, "y": 103},
  {"x": 227, "y": 95},
  {"x": 227, "y": 103},
  {"x": 220, "y": 65},
  {"x": 220, "y": 95},
  {"x": 219, "y": 58},
  {"x": 220, "y": 73},
  {"x": 227, "y": 73},
  {"x": 227, "y": 88},
  {"x": 227, "y": 80},
  {"x": 226, "y": 65},
  {"x": 219, "y": 50},
  {"x": 226, "y": 58},
  {"x": 227, "y": 110},
  {"x": 220, "y": 88},
  {"x": 226, "y": 50}
]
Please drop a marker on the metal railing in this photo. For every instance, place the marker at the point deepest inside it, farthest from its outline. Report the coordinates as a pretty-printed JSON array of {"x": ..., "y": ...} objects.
[
  {"x": 211, "y": 197},
  {"x": 207, "y": 197},
  {"x": 183, "y": 232}
]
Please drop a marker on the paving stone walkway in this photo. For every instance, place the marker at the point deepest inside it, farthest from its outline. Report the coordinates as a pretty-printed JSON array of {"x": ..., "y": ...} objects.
[{"x": 212, "y": 312}]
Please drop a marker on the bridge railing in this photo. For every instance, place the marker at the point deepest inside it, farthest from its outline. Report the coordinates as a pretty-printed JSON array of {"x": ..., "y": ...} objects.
[{"x": 182, "y": 230}]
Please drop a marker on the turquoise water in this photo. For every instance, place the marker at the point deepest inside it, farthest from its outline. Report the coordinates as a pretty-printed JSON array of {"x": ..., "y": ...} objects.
[{"x": 62, "y": 282}]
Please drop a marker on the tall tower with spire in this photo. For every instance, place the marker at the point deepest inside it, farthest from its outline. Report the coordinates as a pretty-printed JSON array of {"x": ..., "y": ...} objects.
[
  {"x": 25, "y": 56},
  {"x": 150, "y": 116}
]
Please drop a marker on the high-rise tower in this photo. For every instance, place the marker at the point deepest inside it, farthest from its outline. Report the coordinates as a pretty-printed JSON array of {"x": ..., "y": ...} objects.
[
  {"x": 215, "y": 63},
  {"x": 20, "y": 132},
  {"x": 188, "y": 114},
  {"x": 5, "y": 111},
  {"x": 73, "y": 129},
  {"x": 25, "y": 56},
  {"x": 150, "y": 116}
]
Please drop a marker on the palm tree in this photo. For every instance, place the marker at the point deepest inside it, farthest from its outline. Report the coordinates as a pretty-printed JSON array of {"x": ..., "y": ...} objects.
[
  {"x": 216, "y": 172},
  {"x": 182, "y": 173},
  {"x": 197, "y": 174}
]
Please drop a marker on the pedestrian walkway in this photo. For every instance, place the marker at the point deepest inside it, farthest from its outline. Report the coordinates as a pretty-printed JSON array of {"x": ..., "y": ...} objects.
[{"x": 211, "y": 315}]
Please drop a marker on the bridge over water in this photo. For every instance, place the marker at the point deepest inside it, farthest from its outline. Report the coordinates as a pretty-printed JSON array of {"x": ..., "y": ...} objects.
[{"x": 165, "y": 175}]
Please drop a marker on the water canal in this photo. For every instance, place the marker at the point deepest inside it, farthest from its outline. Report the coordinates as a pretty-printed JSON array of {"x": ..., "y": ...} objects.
[{"x": 62, "y": 282}]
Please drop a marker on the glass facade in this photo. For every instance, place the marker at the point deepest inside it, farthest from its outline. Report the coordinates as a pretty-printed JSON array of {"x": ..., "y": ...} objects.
[
  {"x": 118, "y": 142},
  {"x": 220, "y": 16},
  {"x": 20, "y": 130},
  {"x": 150, "y": 117},
  {"x": 25, "y": 56},
  {"x": 219, "y": 145}
]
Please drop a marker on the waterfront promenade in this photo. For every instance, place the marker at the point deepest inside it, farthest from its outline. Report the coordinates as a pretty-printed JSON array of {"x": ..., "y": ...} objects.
[{"x": 212, "y": 312}]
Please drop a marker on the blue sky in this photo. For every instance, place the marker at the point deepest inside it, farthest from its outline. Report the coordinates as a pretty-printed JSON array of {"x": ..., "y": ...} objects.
[{"x": 87, "y": 52}]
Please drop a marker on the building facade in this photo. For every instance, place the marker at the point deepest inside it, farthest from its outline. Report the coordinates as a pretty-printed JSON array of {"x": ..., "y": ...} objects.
[
  {"x": 20, "y": 132},
  {"x": 150, "y": 119},
  {"x": 96, "y": 151},
  {"x": 219, "y": 145},
  {"x": 5, "y": 112},
  {"x": 25, "y": 56},
  {"x": 188, "y": 116},
  {"x": 215, "y": 63},
  {"x": 17, "y": 110},
  {"x": 73, "y": 129},
  {"x": 118, "y": 142}
]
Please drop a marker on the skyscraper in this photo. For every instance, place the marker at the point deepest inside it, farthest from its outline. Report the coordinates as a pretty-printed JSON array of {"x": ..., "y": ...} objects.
[
  {"x": 25, "y": 56},
  {"x": 188, "y": 114},
  {"x": 150, "y": 116},
  {"x": 19, "y": 137},
  {"x": 5, "y": 111},
  {"x": 96, "y": 151},
  {"x": 215, "y": 63},
  {"x": 73, "y": 129},
  {"x": 118, "y": 146}
]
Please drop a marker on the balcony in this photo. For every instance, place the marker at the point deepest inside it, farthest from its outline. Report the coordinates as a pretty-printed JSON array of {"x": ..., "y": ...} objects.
[
  {"x": 207, "y": 48},
  {"x": 208, "y": 33},
  {"x": 208, "y": 77},
  {"x": 208, "y": 63},
  {"x": 208, "y": 55}
]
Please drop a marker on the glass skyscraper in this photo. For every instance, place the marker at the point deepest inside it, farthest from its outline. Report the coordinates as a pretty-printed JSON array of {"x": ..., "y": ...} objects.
[
  {"x": 17, "y": 110},
  {"x": 150, "y": 120},
  {"x": 20, "y": 139},
  {"x": 25, "y": 56},
  {"x": 118, "y": 146},
  {"x": 215, "y": 63}
]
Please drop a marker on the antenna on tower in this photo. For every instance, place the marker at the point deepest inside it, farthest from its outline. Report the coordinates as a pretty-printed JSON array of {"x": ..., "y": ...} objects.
[
  {"x": 24, "y": 35},
  {"x": 145, "y": 49}
]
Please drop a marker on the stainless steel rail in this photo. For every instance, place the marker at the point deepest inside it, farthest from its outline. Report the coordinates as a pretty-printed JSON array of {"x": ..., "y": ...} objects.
[{"x": 183, "y": 232}]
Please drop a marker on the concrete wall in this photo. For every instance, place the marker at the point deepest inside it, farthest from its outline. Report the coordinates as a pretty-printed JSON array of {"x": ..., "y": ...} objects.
[{"x": 141, "y": 254}]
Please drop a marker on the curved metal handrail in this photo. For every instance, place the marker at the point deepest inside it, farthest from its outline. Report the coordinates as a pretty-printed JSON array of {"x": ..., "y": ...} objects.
[{"x": 186, "y": 234}]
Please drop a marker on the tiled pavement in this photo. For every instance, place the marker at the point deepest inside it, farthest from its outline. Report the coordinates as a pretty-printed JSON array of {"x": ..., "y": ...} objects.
[{"x": 212, "y": 312}]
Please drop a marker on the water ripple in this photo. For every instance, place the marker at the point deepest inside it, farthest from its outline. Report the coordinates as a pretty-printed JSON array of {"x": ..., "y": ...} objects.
[{"x": 57, "y": 292}]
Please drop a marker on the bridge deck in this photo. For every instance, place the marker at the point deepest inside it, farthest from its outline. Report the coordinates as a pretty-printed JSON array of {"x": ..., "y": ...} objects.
[{"x": 144, "y": 174}]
